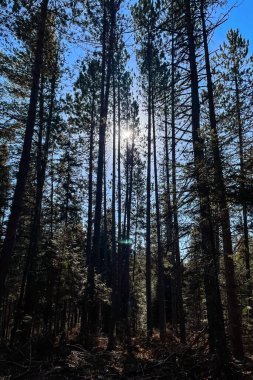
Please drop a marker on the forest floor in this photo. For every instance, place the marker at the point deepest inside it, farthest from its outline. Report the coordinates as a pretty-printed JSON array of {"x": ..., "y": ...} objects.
[{"x": 138, "y": 361}]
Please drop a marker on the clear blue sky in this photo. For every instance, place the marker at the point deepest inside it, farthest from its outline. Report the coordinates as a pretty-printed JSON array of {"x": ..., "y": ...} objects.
[{"x": 241, "y": 17}]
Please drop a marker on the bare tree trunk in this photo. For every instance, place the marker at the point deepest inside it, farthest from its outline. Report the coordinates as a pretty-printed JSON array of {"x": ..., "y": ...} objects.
[
  {"x": 106, "y": 259},
  {"x": 83, "y": 330},
  {"x": 111, "y": 339},
  {"x": 242, "y": 189},
  {"x": 105, "y": 85},
  {"x": 31, "y": 292},
  {"x": 148, "y": 211},
  {"x": 48, "y": 315},
  {"x": 217, "y": 337},
  {"x": 119, "y": 279},
  {"x": 160, "y": 268},
  {"x": 233, "y": 307},
  {"x": 130, "y": 163},
  {"x": 175, "y": 245},
  {"x": 107, "y": 56}
]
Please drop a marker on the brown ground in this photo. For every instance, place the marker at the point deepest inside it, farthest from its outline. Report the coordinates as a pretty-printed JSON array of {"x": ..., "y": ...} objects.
[{"x": 44, "y": 361}]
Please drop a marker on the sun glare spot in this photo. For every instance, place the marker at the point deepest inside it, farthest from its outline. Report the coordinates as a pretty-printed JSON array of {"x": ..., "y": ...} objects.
[{"x": 126, "y": 134}]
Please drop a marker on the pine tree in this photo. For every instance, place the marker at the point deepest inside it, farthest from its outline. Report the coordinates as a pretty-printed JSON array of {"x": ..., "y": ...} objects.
[
  {"x": 234, "y": 72},
  {"x": 9, "y": 241},
  {"x": 233, "y": 307},
  {"x": 217, "y": 338}
]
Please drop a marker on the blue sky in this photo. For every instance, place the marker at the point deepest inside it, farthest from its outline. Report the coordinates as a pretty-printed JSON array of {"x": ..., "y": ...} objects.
[{"x": 240, "y": 17}]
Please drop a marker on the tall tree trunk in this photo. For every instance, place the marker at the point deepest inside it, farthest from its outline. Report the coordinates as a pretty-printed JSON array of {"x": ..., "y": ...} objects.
[
  {"x": 111, "y": 339},
  {"x": 217, "y": 337},
  {"x": 83, "y": 330},
  {"x": 126, "y": 249},
  {"x": 48, "y": 314},
  {"x": 106, "y": 260},
  {"x": 175, "y": 246},
  {"x": 90, "y": 179},
  {"x": 24, "y": 164},
  {"x": 124, "y": 306},
  {"x": 148, "y": 211},
  {"x": 119, "y": 279},
  {"x": 242, "y": 189},
  {"x": 42, "y": 159},
  {"x": 170, "y": 294},
  {"x": 34, "y": 222},
  {"x": 107, "y": 55},
  {"x": 167, "y": 173},
  {"x": 105, "y": 85},
  {"x": 233, "y": 307},
  {"x": 160, "y": 267}
]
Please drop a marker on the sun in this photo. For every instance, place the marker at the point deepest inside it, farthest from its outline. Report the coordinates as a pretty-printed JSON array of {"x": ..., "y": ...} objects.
[{"x": 126, "y": 134}]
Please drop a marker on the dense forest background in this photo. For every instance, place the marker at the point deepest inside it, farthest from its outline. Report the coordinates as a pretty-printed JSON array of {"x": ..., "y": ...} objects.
[{"x": 126, "y": 188}]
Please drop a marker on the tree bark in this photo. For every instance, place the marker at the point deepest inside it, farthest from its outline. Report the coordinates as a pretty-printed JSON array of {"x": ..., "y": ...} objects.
[
  {"x": 107, "y": 56},
  {"x": 234, "y": 317},
  {"x": 242, "y": 189},
  {"x": 111, "y": 339},
  {"x": 119, "y": 269},
  {"x": 148, "y": 211},
  {"x": 42, "y": 159},
  {"x": 83, "y": 330},
  {"x": 105, "y": 85},
  {"x": 160, "y": 267},
  {"x": 217, "y": 337},
  {"x": 177, "y": 280}
]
